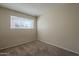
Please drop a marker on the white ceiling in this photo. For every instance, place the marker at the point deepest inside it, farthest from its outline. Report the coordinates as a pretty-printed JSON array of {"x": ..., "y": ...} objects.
[{"x": 34, "y": 9}]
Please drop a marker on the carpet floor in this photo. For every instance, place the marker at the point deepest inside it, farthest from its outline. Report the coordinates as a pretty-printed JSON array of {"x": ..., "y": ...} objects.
[{"x": 36, "y": 48}]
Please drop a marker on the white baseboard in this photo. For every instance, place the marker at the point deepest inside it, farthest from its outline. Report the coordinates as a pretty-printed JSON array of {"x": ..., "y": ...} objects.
[
  {"x": 20, "y": 43},
  {"x": 60, "y": 47}
]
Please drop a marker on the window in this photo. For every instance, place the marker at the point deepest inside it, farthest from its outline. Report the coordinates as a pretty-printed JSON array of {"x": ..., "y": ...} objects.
[{"x": 21, "y": 23}]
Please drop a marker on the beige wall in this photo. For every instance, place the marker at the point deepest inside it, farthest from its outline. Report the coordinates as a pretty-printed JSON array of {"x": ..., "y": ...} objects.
[
  {"x": 12, "y": 37},
  {"x": 58, "y": 26}
]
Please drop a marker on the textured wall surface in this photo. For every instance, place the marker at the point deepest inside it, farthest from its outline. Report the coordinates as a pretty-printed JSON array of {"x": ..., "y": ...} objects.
[
  {"x": 11, "y": 37},
  {"x": 59, "y": 26}
]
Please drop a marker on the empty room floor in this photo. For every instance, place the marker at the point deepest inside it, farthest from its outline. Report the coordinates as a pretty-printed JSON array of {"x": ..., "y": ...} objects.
[{"x": 36, "y": 48}]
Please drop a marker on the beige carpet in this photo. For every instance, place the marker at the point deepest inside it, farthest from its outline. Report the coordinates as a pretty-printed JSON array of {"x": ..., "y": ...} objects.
[{"x": 36, "y": 48}]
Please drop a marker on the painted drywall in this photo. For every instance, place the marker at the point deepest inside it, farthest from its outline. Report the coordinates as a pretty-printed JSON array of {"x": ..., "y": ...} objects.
[
  {"x": 12, "y": 37},
  {"x": 58, "y": 26}
]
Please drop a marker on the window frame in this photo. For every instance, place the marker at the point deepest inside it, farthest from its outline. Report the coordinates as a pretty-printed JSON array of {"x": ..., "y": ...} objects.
[{"x": 20, "y": 19}]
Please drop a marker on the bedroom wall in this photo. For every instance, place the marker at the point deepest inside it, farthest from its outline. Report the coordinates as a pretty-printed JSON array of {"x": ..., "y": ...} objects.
[
  {"x": 58, "y": 26},
  {"x": 12, "y": 37}
]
